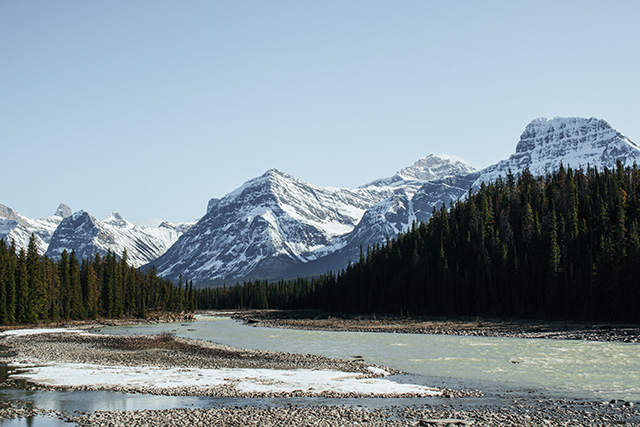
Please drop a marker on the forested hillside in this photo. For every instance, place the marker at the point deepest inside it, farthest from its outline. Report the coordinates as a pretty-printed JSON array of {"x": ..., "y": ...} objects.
[
  {"x": 565, "y": 245},
  {"x": 34, "y": 288}
]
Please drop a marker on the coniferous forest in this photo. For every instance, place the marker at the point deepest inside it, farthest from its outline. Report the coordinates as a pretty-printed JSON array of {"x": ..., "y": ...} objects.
[
  {"x": 566, "y": 245},
  {"x": 34, "y": 288}
]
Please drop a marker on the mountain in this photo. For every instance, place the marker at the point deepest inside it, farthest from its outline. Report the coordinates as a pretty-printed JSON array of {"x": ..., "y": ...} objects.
[
  {"x": 17, "y": 227},
  {"x": 274, "y": 223},
  {"x": 544, "y": 145},
  {"x": 87, "y": 236},
  {"x": 574, "y": 141},
  {"x": 276, "y": 226}
]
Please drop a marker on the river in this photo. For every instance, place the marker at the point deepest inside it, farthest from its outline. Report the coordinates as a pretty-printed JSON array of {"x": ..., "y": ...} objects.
[
  {"x": 580, "y": 370},
  {"x": 570, "y": 368}
]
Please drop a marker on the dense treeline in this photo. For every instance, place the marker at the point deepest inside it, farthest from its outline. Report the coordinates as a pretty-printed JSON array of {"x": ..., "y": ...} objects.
[
  {"x": 260, "y": 294},
  {"x": 565, "y": 245},
  {"x": 34, "y": 288}
]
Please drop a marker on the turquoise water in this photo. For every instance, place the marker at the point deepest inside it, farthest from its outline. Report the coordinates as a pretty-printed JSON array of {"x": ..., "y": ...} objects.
[{"x": 570, "y": 368}]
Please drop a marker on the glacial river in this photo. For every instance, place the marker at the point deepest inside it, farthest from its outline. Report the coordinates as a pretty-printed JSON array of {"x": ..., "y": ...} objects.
[
  {"x": 579, "y": 370},
  {"x": 568, "y": 368}
]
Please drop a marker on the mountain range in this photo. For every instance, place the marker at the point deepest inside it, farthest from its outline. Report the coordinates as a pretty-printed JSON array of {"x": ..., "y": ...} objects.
[
  {"x": 87, "y": 235},
  {"x": 277, "y": 226}
]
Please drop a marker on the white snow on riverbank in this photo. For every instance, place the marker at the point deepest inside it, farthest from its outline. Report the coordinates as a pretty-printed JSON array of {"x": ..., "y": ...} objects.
[
  {"x": 40, "y": 331},
  {"x": 245, "y": 380}
]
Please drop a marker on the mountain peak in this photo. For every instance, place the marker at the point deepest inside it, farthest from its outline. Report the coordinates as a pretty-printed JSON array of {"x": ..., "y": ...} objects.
[
  {"x": 117, "y": 220},
  {"x": 63, "y": 211},
  {"x": 276, "y": 174},
  {"x": 572, "y": 141},
  {"x": 80, "y": 213},
  {"x": 435, "y": 167},
  {"x": 543, "y": 131}
]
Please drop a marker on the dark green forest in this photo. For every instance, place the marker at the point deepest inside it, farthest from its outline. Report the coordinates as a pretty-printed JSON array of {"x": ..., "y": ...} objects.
[
  {"x": 565, "y": 245},
  {"x": 35, "y": 288}
]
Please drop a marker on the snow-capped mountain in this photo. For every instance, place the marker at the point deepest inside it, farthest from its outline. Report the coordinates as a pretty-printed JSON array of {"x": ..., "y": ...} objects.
[
  {"x": 430, "y": 168},
  {"x": 543, "y": 146},
  {"x": 275, "y": 222},
  {"x": 17, "y": 227},
  {"x": 276, "y": 226},
  {"x": 87, "y": 236},
  {"x": 578, "y": 142}
]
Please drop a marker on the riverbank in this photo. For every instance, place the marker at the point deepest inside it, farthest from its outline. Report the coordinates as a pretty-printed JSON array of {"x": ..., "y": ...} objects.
[
  {"x": 153, "y": 317},
  {"x": 544, "y": 414},
  {"x": 317, "y": 320}
]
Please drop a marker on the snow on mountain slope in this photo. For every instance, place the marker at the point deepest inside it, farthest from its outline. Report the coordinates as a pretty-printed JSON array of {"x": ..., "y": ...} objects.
[
  {"x": 87, "y": 236},
  {"x": 17, "y": 227},
  {"x": 274, "y": 222},
  {"x": 269, "y": 222},
  {"x": 276, "y": 226},
  {"x": 426, "y": 169},
  {"x": 543, "y": 146},
  {"x": 574, "y": 141}
]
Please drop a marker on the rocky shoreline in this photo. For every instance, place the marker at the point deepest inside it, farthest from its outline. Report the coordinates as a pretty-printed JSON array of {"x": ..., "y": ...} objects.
[
  {"x": 317, "y": 320},
  {"x": 154, "y": 317},
  {"x": 543, "y": 414},
  {"x": 540, "y": 413}
]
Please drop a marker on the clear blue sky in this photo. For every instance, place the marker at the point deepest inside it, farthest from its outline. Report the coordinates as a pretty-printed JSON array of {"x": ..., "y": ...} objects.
[{"x": 151, "y": 107}]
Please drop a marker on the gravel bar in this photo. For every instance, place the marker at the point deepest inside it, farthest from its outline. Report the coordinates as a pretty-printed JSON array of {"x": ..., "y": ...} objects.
[{"x": 321, "y": 321}]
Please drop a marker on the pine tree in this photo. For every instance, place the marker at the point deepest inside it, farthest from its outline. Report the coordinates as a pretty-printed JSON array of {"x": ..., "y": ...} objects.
[
  {"x": 24, "y": 311},
  {"x": 4, "y": 316},
  {"x": 36, "y": 290},
  {"x": 65, "y": 285},
  {"x": 10, "y": 283},
  {"x": 77, "y": 308}
]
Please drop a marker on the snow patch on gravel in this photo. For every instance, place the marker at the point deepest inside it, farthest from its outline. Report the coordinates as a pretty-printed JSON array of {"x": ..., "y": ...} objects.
[
  {"x": 245, "y": 380},
  {"x": 40, "y": 331}
]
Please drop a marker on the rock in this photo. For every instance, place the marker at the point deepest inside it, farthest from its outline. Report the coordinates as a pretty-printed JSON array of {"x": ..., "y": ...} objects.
[{"x": 445, "y": 422}]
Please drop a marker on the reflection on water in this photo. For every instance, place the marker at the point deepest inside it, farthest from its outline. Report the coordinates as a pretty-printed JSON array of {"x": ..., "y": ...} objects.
[
  {"x": 580, "y": 369},
  {"x": 34, "y": 422}
]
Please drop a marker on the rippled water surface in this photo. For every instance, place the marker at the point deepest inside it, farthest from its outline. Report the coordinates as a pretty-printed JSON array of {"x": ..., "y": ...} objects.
[{"x": 578, "y": 369}]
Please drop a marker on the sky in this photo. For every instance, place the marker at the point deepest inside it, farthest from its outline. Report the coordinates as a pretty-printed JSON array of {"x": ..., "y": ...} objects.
[{"x": 151, "y": 108}]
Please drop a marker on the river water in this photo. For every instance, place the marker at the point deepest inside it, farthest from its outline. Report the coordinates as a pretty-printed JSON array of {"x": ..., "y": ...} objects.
[
  {"x": 579, "y": 370},
  {"x": 567, "y": 368}
]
